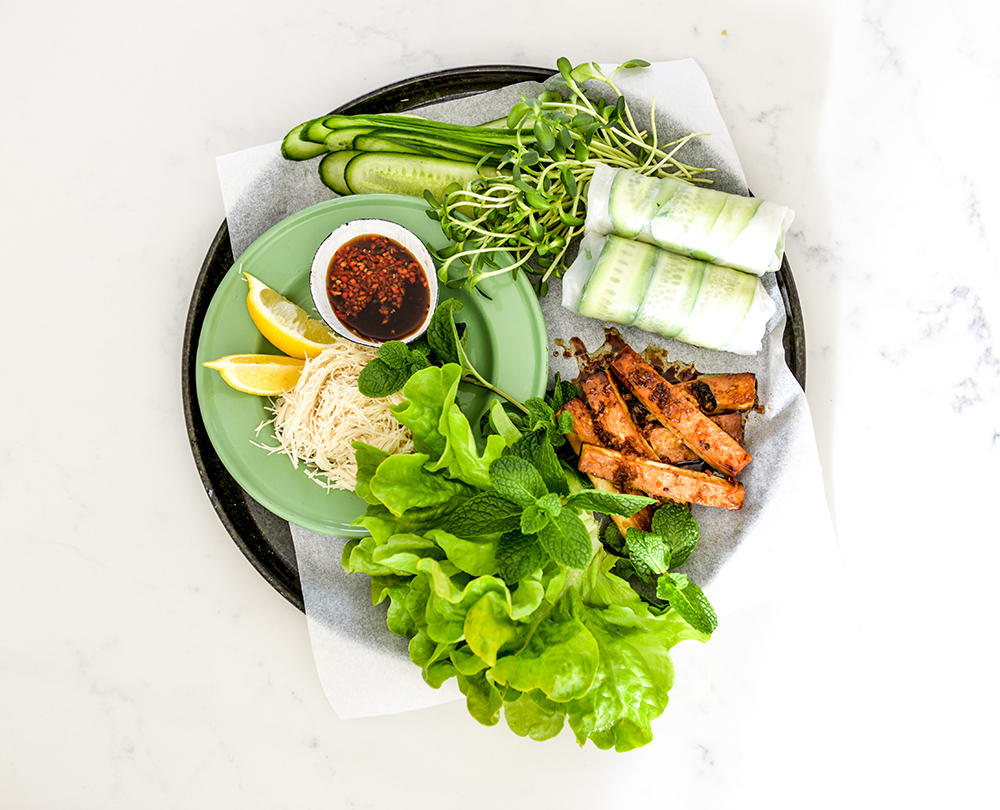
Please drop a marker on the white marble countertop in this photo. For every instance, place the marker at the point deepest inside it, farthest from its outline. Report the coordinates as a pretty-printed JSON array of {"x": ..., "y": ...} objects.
[{"x": 145, "y": 663}]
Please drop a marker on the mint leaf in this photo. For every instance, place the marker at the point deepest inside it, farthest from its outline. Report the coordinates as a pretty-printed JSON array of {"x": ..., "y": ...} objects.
[
  {"x": 485, "y": 513},
  {"x": 395, "y": 362},
  {"x": 536, "y": 448},
  {"x": 442, "y": 332},
  {"x": 612, "y": 538},
  {"x": 517, "y": 480},
  {"x": 540, "y": 411},
  {"x": 678, "y": 526},
  {"x": 550, "y": 504},
  {"x": 541, "y": 416},
  {"x": 378, "y": 379},
  {"x": 564, "y": 424},
  {"x": 689, "y": 601},
  {"x": 609, "y": 503},
  {"x": 562, "y": 393},
  {"x": 567, "y": 540},
  {"x": 649, "y": 553},
  {"x": 534, "y": 519},
  {"x": 518, "y": 555},
  {"x": 395, "y": 354}
]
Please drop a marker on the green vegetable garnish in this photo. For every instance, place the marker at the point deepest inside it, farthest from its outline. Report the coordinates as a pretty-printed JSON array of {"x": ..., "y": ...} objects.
[
  {"x": 444, "y": 342},
  {"x": 487, "y": 552}
]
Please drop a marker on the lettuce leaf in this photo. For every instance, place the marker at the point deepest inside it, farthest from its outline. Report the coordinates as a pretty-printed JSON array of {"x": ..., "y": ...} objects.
[{"x": 550, "y": 647}]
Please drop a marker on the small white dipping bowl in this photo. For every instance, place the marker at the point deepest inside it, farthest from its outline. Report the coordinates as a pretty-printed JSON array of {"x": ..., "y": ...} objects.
[{"x": 344, "y": 234}]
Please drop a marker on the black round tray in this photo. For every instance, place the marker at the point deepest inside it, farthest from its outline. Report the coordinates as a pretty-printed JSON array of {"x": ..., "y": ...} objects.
[{"x": 263, "y": 537}]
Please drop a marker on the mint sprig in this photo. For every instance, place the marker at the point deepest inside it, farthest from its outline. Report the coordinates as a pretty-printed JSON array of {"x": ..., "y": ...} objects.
[
  {"x": 689, "y": 601},
  {"x": 394, "y": 364},
  {"x": 531, "y": 504},
  {"x": 653, "y": 556}
]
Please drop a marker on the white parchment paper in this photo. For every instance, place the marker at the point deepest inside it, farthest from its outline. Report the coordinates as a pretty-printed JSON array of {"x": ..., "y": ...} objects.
[{"x": 782, "y": 539}]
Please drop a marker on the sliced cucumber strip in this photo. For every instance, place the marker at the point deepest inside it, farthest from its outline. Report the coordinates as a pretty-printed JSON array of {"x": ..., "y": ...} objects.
[
  {"x": 374, "y": 143},
  {"x": 332, "y": 167},
  {"x": 682, "y": 222},
  {"x": 343, "y": 138},
  {"x": 629, "y": 191},
  {"x": 293, "y": 147},
  {"x": 671, "y": 294},
  {"x": 392, "y": 173},
  {"x": 423, "y": 144},
  {"x": 618, "y": 282},
  {"x": 734, "y": 219},
  {"x": 412, "y": 123},
  {"x": 317, "y": 132},
  {"x": 723, "y": 302}
]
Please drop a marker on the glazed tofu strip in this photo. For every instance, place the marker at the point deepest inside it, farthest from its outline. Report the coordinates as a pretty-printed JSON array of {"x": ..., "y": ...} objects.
[
  {"x": 678, "y": 410},
  {"x": 661, "y": 480},
  {"x": 585, "y": 432},
  {"x": 723, "y": 393},
  {"x": 611, "y": 413},
  {"x": 668, "y": 445}
]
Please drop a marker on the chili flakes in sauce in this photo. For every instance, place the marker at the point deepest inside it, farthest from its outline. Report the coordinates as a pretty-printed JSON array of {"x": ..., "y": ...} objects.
[{"x": 377, "y": 288}]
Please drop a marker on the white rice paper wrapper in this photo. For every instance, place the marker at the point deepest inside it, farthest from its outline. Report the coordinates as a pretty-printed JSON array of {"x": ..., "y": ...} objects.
[
  {"x": 743, "y": 332},
  {"x": 780, "y": 543},
  {"x": 757, "y": 249}
]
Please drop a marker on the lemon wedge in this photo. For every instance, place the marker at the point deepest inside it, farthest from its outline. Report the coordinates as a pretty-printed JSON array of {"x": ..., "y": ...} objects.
[
  {"x": 286, "y": 325},
  {"x": 266, "y": 375}
]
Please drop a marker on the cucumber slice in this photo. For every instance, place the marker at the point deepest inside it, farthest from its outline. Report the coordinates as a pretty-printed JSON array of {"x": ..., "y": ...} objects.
[
  {"x": 343, "y": 138},
  {"x": 671, "y": 295},
  {"x": 723, "y": 302},
  {"x": 375, "y": 143},
  {"x": 331, "y": 169},
  {"x": 686, "y": 218},
  {"x": 411, "y": 123},
  {"x": 616, "y": 287},
  {"x": 294, "y": 147},
  {"x": 393, "y": 173},
  {"x": 420, "y": 143},
  {"x": 629, "y": 191},
  {"x": 316, "y": 131},
  {"x": 733, "y": 220}
]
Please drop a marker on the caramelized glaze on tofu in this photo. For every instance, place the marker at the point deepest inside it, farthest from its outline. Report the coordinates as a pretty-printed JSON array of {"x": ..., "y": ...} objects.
[
  {"x": 679, "y": 411},
  {"x": 612, "y": 415},
  {"x": 661, "y": 480},
  {"x": 723, "y": 393}
]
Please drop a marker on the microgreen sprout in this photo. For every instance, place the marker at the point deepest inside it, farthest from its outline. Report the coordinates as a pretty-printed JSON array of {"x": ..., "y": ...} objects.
[{"x": 535, "y": 206}]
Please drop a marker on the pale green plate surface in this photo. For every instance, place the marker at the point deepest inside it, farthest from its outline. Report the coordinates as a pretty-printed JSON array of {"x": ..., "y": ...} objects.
[{"x": 507, "y": 344}]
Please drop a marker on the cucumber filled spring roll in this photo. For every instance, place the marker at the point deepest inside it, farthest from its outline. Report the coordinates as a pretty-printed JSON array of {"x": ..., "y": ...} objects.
[
  {"x": 635, "y": 284},
  {"x": 746, "y": 233}
]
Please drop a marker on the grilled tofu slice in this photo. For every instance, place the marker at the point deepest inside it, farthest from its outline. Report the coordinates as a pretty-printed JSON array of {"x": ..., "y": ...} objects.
[
  {"x": 678, "y": 410},
  {"x": 612, "y": 415},
  {"x": 723, "y": 393},
  {"x": 661, "y": 480},
  {"x": 584, "y": 432},
  {"x": 668, "y": 445}
]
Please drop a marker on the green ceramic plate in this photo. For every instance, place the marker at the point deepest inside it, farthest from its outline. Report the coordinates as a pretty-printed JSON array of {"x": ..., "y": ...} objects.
[{"x": 507, "y": 343}]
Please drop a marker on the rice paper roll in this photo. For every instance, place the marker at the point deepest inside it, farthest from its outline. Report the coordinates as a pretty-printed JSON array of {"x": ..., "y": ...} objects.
[
  {"x": 632, "y": 283},
  {"x": 746, "y": 233}
]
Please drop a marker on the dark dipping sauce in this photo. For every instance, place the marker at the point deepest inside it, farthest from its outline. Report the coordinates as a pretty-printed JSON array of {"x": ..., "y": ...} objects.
[{"x": 377, "y": 288}]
